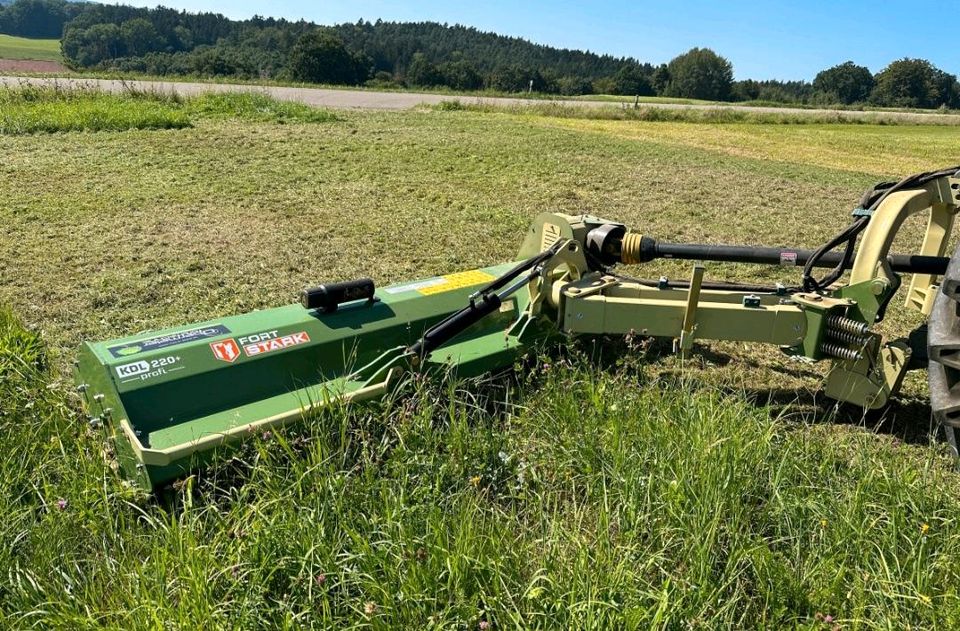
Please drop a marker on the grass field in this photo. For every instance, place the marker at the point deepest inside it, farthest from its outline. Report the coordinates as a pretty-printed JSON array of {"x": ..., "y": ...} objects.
[
  {"x": 643, "y": 493},
  {"x": 22, "y": 48}
]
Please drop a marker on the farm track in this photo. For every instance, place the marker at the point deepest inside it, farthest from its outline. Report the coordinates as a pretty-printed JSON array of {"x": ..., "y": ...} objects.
[{"x": 371, "y": 100}]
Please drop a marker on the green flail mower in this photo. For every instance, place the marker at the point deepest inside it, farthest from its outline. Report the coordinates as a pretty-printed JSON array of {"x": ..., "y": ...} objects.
[{"x": 169, "y": 401}]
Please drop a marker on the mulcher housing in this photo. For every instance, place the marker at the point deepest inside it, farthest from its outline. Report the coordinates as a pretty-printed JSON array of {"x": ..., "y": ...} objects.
[{"x": 167, "y": 401}]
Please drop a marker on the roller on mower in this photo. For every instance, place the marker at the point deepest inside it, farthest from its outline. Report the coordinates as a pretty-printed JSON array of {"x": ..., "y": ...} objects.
[{"x": 169, "y": 400}]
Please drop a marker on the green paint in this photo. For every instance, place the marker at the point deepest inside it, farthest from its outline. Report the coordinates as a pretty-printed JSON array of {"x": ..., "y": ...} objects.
[{"x": 273, "y": 362}]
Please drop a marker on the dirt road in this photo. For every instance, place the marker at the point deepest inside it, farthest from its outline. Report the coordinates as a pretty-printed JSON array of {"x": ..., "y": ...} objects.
[{"x": 369, "y": 99}]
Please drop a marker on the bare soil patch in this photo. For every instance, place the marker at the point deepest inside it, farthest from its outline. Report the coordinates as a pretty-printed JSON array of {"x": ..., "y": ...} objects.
[{"x": 31, "y": 65}]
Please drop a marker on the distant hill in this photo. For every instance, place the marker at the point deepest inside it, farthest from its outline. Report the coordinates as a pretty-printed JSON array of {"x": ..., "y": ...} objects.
[{"x": 392, "y": 44}]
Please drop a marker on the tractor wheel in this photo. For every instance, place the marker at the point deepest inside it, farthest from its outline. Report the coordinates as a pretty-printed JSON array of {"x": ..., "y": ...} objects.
[{"x": 943, "y": 346}]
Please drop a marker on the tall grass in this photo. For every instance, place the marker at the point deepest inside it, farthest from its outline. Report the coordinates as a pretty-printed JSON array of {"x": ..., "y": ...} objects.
[
  {"x": 29, "y": 109},
  {"x": 256, "y": 106},
  {"x": 707, "y": 114},
  {"x": 577, "y": 498}
]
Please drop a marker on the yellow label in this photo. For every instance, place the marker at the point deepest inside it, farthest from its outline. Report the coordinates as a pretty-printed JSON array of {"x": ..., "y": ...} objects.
[{"x": 457, "y": 281}]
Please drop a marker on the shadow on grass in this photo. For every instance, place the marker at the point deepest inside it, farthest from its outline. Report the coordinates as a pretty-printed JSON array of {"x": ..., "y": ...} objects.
[{"x": 905, "y": 418}]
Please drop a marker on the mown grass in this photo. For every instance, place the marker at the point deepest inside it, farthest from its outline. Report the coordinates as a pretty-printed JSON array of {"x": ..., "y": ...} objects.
[
  {"x": 12, "y": 47},
  {"x": 29, "y": 110},
  {"x": 723, "y": 491},
  {"x": 573, "y": 498}
]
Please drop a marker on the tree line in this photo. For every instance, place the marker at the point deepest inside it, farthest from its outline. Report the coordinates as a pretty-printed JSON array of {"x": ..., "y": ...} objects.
[{"x": 165, "y": 41}]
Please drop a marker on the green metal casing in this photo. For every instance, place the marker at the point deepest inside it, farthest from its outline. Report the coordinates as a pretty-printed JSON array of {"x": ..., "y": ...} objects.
[{"x": 167, "y": 399}]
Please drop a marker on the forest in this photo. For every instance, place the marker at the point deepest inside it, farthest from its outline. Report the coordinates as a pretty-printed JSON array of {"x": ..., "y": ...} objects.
[{"x": 168, "y": 42}]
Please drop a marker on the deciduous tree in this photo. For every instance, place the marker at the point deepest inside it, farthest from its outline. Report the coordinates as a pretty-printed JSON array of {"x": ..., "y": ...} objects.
[
  {"x": 700, "y": 73},
  {"x": 845, "y": 83}
]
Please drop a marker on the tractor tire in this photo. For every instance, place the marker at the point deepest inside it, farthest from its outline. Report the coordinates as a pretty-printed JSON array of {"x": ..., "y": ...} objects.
[{"x": 943, "y": 348}]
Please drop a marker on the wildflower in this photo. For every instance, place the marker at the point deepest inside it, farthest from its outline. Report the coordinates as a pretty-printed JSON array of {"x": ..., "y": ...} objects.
[
  {"x": 265, "y": 436},
  {"x": 483, "y": 625},
  {"x": 828, "y": 618},
  {"x": 925, "y": 599},
  {"x": 924, "y": 529},
  {"x": 62, "y": 504},
  {"x": 475, "y": 480},
  {"x": 320, "y": 579},
  {"x": 369, "y": 607},
  {"x": 421, "y": 554},
  {"x": 823, "y": 523}
]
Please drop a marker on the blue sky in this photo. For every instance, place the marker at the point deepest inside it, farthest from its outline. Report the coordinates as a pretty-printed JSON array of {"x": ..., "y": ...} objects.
[{"x": 764, "y": 40}]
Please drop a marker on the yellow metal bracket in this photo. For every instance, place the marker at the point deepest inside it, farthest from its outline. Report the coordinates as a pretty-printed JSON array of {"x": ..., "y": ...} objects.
[
  {"x": 684, "y": 343},
  {"x": 941, "y": 200}
]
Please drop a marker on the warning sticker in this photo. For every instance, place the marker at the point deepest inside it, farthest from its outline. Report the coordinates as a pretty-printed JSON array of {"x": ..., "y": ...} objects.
[
  {"x": 399, "y": 289},
  {"x": 788, "y": 258},
  {"x": 457, "y": 281}
]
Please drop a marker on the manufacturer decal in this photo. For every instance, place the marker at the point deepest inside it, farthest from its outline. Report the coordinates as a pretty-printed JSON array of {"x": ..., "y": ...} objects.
[
  {"x": 226, "y": 350},
  {"x": 144, "y": 370},
  {"x": 269, "y": 341},
  {"x": 167, "y": 340}
]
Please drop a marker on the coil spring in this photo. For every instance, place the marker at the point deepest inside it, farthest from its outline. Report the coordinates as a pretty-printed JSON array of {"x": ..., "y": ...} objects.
[
  {"x": 848, "y": 338},
  {"x": 840, "y": 352},
  {"x": 848, "y": 325},
  {"x": 630, "y": 248}
]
